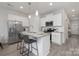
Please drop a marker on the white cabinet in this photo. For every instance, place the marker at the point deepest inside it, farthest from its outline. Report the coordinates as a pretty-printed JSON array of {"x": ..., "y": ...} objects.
[
  {"x": 58, "y": 20},
  {"x": 22, "y": 19},
  {"x": 56, "y": 38},
  {"x": 43, "y": 20},
  {"x": 48, "y": 17}
]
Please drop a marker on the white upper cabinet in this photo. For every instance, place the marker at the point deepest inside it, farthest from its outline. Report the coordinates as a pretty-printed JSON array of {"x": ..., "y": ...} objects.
[
  {"x": 22, "y": 19},
  {"x": 43, "y": 20},
  {"x": 58, "y": 20},
  {"x": 48, "y": 17}
]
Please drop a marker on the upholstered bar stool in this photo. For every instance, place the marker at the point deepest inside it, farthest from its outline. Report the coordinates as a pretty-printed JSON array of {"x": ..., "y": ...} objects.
[{"x": 29, "y": 44}]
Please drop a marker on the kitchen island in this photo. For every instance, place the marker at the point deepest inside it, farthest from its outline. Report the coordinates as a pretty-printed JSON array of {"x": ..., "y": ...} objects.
[{"x": 43, "y": 41}]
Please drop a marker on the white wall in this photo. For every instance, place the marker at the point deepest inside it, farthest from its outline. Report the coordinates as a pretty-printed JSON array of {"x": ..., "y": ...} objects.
[{"x": 3, "y": 25}]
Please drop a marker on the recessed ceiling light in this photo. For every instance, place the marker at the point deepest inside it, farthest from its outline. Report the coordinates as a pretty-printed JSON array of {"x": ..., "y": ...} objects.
[
  {"x": 21, "y": 7},
  {"x": 29, "y": 16},
  {"x": 50, "y": 3},
  {"x": 73, "y": 10},
  {"x": 36, "y": 13}
]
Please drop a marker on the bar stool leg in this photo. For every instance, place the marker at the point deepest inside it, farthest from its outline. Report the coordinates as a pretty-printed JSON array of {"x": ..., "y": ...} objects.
[
  {"x": 37, "y": 49},
  {"x": 21, "y": 48},
  {"x": 28, "y": 49},
  {"x": 31, "y": 47}
]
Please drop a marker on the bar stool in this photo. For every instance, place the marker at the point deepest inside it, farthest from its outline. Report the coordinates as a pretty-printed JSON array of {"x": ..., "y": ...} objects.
[
  {"x": 19, "y": 44},
  {"x": 29, "y": 43}
]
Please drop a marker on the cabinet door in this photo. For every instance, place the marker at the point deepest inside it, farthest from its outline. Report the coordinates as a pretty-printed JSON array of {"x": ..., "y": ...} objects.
[
  {"x": 43, "y": 20},
  {"x": 24, "y": 20},
  {"x": 56, "y": 38},
  {"x": 53, "y": 37},
  {"x": 57, "y": 20}
]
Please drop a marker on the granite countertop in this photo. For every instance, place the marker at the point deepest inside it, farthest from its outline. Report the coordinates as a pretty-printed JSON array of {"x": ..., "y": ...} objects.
[{"x": 34, "y": 34}]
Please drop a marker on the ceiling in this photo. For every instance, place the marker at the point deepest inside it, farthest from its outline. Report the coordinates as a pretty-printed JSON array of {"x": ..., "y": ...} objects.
[{"x": 44, "y": 7}]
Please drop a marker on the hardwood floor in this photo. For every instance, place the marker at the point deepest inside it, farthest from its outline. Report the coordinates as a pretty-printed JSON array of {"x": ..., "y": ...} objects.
[
  {"x": 70, "y": 48},
  {"x": 10, "y": 50}
]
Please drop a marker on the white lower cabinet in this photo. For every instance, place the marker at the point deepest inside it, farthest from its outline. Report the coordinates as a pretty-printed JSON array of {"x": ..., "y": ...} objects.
[{"x": 57, "y": 38}]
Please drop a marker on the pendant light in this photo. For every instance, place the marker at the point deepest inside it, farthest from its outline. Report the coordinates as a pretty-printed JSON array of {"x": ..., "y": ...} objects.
[{"x": 36, "y": 13}]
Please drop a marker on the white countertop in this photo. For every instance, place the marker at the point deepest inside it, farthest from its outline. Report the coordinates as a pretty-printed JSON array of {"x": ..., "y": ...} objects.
[{"x": 34, "y": 34}]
